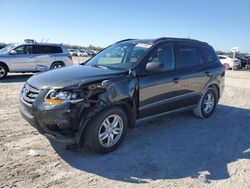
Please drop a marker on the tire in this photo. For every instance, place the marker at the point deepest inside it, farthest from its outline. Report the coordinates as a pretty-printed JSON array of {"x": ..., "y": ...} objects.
[
  {"x": 97, "y": 135},
  {"x": 227, "y": 67},
  {"x": 56, "y": 65},
  {"x": 3, "y": 71},
  {"x": 207, "y": 103}
]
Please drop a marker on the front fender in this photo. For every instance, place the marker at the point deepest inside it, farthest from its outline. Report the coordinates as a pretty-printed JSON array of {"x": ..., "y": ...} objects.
[{"x": 121, "y": 92}]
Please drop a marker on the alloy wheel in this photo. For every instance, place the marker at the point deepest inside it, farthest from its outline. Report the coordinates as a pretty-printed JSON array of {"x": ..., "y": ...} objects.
[
  {"x": 110, "y": 130},
  {"x": 57, "y": 66},
  {"x": 209, "y": 103},
  {"x": 2, "y": 72}
]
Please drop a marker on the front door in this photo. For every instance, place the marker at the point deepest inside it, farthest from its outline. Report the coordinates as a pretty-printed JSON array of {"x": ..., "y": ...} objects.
[
  {"x": 22, "y": 59},
  {"x": 158, "y": 89}
]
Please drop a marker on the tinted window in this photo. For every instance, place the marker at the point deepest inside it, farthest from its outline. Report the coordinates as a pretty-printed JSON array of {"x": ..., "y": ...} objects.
[
  {"x": 28, "y": 49},
  {"x": 163, "y": 54},
  {"x": 209, "y": 53},
  {"x": 51, "y": 49},
  {"x": 188, "y": 55},
  {"x": 201, "y": 57},
  {"x": 37, "y": 49}
]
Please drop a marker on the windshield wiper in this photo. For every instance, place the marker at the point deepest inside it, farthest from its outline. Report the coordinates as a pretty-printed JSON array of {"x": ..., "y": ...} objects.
[{"x": 99, "y": 66}]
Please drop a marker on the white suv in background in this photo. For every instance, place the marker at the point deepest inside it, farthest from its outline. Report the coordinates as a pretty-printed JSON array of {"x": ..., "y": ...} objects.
[
  {"x": 33, "y": 57},
  {"x": 229, "y": 62}
]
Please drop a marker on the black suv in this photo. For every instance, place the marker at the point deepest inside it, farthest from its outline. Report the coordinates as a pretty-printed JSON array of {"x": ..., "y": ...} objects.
[{"x": 94, "y": 104}]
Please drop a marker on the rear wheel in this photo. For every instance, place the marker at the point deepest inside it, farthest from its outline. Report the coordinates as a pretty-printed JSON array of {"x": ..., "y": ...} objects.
[
  {"x": 3, "y": 71},
  {"x": 57, "y": 65},
  {"x": 207, "y": 103},
  {"x": 106, "y": 131}
]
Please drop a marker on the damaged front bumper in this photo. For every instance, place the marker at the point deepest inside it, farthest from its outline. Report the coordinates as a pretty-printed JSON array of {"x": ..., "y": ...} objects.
[{"x": 58, "y": 123}]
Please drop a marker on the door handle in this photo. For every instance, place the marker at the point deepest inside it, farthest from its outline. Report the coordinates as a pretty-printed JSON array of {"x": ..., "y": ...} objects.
[
  {"x": 208, "y": 73},
  {"x": 176, "y": 80}
]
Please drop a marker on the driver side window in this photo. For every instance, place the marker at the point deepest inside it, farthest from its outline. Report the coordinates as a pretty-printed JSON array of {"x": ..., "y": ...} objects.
[
  {"x": 164, "y": 55},
  {"x": 20, "y": 50},
  {"x": 24, "y": 49}
]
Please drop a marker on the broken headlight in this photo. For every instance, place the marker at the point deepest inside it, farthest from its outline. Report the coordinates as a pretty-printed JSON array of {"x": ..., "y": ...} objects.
[{"x": 60, "y": 96}]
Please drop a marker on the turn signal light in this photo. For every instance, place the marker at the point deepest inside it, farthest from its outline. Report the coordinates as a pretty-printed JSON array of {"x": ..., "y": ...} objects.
[{"x": 54, "y": 101}]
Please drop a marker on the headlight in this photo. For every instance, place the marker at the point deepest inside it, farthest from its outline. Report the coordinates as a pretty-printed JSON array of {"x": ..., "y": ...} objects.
[{"x": 60, "y": 96}]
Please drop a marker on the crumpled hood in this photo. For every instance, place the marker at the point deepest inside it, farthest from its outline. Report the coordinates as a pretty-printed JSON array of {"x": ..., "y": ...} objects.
[{"x": 70, "y": 76}]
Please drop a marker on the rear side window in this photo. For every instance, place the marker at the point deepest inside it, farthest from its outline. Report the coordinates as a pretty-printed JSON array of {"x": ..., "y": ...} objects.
[
  {"x": 188, "y": 55},
  {"x": 51, "y": 49},
  {"x": 37, "y": 49},
  {"x": 209, "y": 53}
]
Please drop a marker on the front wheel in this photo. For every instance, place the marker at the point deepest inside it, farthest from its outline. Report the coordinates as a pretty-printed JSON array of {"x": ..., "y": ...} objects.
[
  {"x": 3, "y": 71},
  {"x": 107, "y": 130},
  {"x": 207, "y": 103}
]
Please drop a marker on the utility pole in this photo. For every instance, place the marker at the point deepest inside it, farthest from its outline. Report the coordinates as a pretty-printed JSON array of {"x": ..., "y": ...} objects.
[{"x": 234, "y": 50}]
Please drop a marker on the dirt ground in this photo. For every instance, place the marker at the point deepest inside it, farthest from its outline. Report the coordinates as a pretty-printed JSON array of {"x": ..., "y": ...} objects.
[{"x": 170, "y": 151}]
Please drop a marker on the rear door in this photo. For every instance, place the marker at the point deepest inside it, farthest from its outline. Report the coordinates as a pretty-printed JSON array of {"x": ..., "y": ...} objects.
[
  {"x": 192, "y": 72},
  {"x": 45, "y": 58}
]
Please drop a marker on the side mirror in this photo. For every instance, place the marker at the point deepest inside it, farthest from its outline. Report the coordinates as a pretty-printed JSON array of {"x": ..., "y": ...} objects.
[
  {"x": 155, "y": 67},
  {"x": 13, "y": 52}
]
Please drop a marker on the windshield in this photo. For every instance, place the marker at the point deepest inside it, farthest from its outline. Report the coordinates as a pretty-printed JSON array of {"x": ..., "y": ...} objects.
[
  {"x": 121, "y": 55},
  {"x": 7, "y": 48}
]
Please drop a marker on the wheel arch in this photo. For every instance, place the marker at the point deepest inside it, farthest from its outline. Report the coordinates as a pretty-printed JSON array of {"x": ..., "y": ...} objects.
[
  {"x": 125, "y": 105},
  {"x": 129, "y": 109},
  {"x": 57, "y": 61},
  {"x": 214, "y": 85},
  {"x": 2, "y": 63}
]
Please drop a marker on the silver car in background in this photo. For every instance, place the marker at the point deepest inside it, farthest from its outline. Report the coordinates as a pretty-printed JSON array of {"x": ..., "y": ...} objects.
[{"x": 33, "y": 57}]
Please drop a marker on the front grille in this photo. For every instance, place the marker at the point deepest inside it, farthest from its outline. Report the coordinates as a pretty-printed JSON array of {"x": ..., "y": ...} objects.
[{"x": 29, "y": 94}]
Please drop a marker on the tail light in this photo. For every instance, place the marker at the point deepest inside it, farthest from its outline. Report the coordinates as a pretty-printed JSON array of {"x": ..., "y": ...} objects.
[
  {"x": 70, "y": 57},
  {"x": 234, "y": 61},
  {"x": 225, "y": 68}
]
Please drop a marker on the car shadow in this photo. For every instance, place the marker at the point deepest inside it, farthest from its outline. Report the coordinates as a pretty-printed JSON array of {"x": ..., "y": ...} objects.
[
  {"x": 172, "y": 147},
  {"x": 14, "y": 78}
]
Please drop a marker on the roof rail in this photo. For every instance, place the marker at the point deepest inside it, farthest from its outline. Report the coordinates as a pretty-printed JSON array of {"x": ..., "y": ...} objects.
[
  {"x": 124, "y": 40},
  {"x": 178, "y": 39},
  {"x": 159, "y": 39}
]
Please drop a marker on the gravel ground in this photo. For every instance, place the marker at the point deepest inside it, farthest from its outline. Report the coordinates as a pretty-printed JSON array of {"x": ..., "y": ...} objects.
[{"x": 177, "y": 150}]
